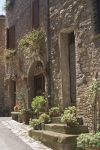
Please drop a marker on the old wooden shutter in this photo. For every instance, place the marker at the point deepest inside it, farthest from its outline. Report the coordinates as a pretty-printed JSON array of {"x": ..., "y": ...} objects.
[
  {"x": 72, "y": 68},
  {"x": 96, "y": 15},
  {"x": 7, "y": 32},
  {"x": 11, "y": 37},
  {"x": 35, "y": 14}
]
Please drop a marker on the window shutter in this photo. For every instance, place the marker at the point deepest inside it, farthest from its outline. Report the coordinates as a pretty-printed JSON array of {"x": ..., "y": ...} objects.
[
  {"x": 7, "y": 32},
  {"x": 96, "y": 15},
  {"x": 11, "y": 38},
  {"x": 35, "y": 14}
]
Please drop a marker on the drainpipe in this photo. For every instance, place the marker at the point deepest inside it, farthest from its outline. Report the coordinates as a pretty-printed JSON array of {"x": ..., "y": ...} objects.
[{"x": 49, "y": 53}]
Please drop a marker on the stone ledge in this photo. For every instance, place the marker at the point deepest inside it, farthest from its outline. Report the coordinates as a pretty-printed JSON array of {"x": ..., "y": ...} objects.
[{"x": 56, "y": 141}]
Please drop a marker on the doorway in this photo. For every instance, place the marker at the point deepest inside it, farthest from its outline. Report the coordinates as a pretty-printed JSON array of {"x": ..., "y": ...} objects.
[{"x": 68, "y": 68}]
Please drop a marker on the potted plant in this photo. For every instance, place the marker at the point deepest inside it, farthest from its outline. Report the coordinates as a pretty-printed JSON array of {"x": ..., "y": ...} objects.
[
  {"x": 39, "y": 104},
  {"x": 44, "y": 118},
  {"x": 54, "y": 112},
  {"x": 69, "y": 117},
  {"x": 35, "y": 124},
  {"x": 25, "y": 115},
  {"x": 88, "y": 141}
]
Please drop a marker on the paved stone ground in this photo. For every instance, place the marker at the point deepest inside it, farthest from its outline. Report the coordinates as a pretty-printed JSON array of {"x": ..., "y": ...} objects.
[{"x": 14, "y": 136}]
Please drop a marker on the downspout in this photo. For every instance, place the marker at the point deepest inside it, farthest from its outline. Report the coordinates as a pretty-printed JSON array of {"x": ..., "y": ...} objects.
[{"x": 49, "y": 54}]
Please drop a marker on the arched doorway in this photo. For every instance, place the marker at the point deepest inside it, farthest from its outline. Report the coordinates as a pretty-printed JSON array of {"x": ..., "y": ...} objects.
[{"x": 36, "y": 81}]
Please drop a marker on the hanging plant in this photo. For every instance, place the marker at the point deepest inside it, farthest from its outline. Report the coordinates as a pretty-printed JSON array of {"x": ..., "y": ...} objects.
[
  {"x": 34, "y": 40},
  {"x": 92, "y": 94},
  {"x": 9, "y": 53}
]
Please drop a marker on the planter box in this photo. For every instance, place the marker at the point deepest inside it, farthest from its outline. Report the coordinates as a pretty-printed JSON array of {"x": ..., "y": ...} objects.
[{"x": 15, "y": 115}]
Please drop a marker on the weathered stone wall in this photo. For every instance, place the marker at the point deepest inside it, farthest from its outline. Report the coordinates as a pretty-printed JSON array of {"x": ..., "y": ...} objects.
[
  {"x": 68, "y": 16},
  {"x": 65, "y": 17},
  {"x": 2, "y": 64},
  {"x": 20, "y": 15}
]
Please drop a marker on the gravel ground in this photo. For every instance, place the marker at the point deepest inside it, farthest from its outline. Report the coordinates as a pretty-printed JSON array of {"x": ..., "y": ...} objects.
[{"x": 21, "y": 131}]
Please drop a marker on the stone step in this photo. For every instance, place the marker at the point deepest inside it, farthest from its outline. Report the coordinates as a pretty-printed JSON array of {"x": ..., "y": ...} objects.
[
  {"x": 56, "y": 141},
  {"x": 56, "y": 119},
  {"x": 63, "y": 128}
]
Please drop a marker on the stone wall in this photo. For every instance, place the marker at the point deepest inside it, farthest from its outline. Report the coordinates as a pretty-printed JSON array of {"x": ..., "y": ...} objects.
[
  {"x": 68, "y": 16},
  {"x": 20, "y": 15},
  {"x": 2, "y": 64},
  {"x": 65, "y": 17}
]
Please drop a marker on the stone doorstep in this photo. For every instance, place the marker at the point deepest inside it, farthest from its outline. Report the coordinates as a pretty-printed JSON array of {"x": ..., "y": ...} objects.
[
  {"x": 56, "y": 141},
  {"x": 62, "y": 128}
]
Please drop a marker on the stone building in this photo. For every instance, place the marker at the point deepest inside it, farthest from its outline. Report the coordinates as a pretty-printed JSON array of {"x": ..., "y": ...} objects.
[
  {"x": 71, "y": 55},
  {"x": 2, "y": 64}
]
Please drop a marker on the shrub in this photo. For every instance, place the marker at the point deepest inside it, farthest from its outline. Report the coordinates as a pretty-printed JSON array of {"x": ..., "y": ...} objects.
[
  {"x": 71, "y": 110},
  {"x": 69, "y": 117},
  {"x": 88, "y": 140},
  {"x": 54, "y": 112},
  {"x": 35, "y": 123},
  {"x": 38, "y": 104},
  {"x": 44, "y": 118}
]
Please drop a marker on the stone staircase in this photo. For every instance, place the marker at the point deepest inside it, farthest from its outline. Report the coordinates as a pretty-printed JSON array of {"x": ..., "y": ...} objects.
[{"x": 58, "y": 136}]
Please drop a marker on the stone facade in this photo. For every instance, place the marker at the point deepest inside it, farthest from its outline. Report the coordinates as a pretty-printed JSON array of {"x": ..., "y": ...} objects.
[
  {"x": 66, "y": 17},
  {"x": 2, "y": 64}
]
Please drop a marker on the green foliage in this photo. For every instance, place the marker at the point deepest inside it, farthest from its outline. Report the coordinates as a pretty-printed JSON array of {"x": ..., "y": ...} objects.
[
  {"x": 38, "y": 104},
  {"x": 54, "y": 112},
  {"x": 69, "y": 117},
  {"x": 21, "y": 96},
  {"x": 34, "y": 39},
  {"x": 71, "y": 110},
  {"x": 9, "y": 4},
  {"x": 44, "y": 118},
  {"x": 94, "y": 89},
  {"x": 9, "y": 53},
  {"x": 88, "y": 140},
  {"x": 24, "y": 111},
  {"x": 35, "y": 123}
]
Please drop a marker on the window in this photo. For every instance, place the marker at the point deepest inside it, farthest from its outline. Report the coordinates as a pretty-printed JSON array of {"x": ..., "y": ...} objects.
[
  {"x": 11, "y": 37},
  {"x": 68, "y": 67},
  {"x": 35, "y": 14},
  {"x": 96, "y": 15}
]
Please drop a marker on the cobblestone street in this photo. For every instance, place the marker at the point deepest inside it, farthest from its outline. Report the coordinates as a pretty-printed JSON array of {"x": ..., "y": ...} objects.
[{"x": 14, "y": 136}]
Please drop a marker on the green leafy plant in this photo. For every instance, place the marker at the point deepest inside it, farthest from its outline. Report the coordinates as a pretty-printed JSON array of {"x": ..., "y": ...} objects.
[
  {"x": 39, "y": 104},
  {"x": 35, "y": 123},
  {"x": 69, "y": 117},
  {"x": 54, "y": 112},
  {"x": 34, "y": 40},
  {"x": 44, "y": 118},
  {"x": 21, "y": 97},
  {"x": 9, "y": 53},
  {"x": 88, "y": 140},
  {"x": 92, "y": 95}
]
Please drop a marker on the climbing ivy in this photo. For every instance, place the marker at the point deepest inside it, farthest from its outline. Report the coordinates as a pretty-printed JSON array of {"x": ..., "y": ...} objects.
[{"x": 34, "y": 40}]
